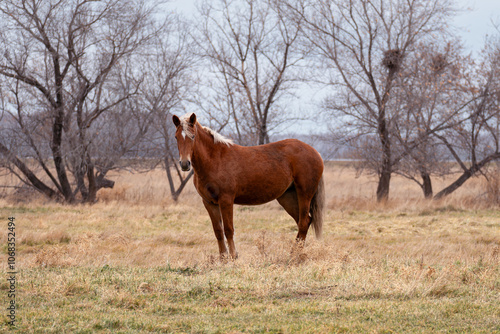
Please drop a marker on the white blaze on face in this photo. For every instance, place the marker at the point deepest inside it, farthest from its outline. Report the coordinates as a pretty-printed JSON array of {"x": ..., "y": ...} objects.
[{"x": 183, "y": 134}]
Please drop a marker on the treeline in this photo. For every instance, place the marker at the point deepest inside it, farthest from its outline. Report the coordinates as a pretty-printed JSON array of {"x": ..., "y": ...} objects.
[{"x": 86, "y": 85}]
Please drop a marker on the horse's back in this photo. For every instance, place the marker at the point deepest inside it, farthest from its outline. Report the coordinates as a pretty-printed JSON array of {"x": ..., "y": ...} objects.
[
  {"x": 287, "y": 148},
  {"x": 301, "y": 156},
  {"x": 290, "y": 159}
]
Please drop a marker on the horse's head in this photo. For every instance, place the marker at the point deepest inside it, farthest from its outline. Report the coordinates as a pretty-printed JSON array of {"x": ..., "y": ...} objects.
[{"x": 184, "y": 134}]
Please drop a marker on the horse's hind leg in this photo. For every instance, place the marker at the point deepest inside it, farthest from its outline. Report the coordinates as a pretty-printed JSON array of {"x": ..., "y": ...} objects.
[
  {"x": 304, "y": 197},
  {"x": 226, "y": 210},
  {"x": 304, "y": 218},
  {"x": 215, "y": 217},
  {"x": 296, "y": 204},
  {"x": 290, "y": 202}
]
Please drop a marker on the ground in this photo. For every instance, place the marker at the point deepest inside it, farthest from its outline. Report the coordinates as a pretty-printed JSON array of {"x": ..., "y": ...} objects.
[{"x": 138, "y": 263}]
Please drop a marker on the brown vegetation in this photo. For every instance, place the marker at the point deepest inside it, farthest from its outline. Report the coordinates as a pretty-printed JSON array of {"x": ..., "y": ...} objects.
[{"x": 400, "y": 263}]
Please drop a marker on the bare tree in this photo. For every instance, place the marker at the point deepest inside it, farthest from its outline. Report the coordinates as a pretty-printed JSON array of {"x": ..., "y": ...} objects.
[
  {"x": 431, "y": 97},
  {"x": 451, "y": 102},
  {"x": 475, "y": 142},
  {"x": 167, "y": 86},
  {"x": 63, "y": 61},
  {"x": 250, "y": 47},
  {"x": 361, "y": 47}
]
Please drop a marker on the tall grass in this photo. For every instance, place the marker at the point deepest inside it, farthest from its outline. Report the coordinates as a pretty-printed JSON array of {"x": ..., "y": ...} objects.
[{"x": 345, "y": 190}]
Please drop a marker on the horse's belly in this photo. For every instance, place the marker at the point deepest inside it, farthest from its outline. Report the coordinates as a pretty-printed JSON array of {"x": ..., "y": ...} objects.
[
  {"x": 253, "y": 200},
  {"x": 260, "y": 194}
]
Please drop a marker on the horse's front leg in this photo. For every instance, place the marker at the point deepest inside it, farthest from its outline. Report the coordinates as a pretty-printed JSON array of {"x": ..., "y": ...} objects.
[
  {"x": 226, "y": 209},
  {"x": 215, "y": 217}
]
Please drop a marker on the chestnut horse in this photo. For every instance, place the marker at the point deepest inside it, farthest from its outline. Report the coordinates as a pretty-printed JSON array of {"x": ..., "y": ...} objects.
[{"x": 226, "y": 174}]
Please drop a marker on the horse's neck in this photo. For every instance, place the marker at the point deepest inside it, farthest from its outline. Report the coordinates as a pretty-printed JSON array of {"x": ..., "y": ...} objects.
[{"x": 203, "y": 151}]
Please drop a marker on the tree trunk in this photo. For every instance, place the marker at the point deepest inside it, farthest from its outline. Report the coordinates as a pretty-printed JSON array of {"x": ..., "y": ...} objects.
[
  {"x": 80, "y": 181},
  {"x": 92, "y": 195},
  {"x": 384, "y": 182},
  {"x": 455, "y": 185},
  {"x": 263, "y": 136},
  {"x": 386, "y": 168},
  {"x": 102, "y": 182},
  {"x": 57, "y": 130},
  {"x": 467, "y": 174},
  {"x": 426, "y": 184},
  {"x": 383, "y": 134},
  {"x": 36, "y": 182}
]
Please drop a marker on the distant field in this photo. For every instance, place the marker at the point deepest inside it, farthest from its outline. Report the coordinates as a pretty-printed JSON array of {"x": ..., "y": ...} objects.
[{"x": 138, "y": 263}]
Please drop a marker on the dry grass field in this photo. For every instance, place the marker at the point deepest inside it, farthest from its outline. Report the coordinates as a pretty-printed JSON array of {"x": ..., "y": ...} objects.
[{"x": 136, "y": 262}]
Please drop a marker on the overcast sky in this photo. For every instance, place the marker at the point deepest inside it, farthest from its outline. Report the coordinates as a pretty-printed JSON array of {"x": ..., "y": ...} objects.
[
  {"x": 476, "y": 22},
  {"x": 473, "y": 24}
]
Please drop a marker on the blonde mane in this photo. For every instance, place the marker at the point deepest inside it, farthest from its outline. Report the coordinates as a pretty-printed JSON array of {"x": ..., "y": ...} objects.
[
  {"x": 187, "y": 131},
  {"x": 218, "y": 138}
]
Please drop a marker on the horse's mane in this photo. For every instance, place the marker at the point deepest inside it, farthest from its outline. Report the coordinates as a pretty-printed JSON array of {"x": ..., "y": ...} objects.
[{"x": 218, "y": 138}]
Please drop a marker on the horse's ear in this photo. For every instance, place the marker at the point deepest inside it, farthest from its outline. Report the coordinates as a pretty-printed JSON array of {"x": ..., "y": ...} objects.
[
  {"x": 176, "y": 120},
  {"x": 192, "y": 119}
]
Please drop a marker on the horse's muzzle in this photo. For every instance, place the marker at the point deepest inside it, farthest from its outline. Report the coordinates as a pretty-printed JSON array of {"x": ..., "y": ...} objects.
[{"x": 185, "y": 165}]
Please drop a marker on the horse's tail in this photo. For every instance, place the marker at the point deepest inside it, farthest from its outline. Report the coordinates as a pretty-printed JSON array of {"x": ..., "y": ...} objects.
[{"x": 317, "y": 208}]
